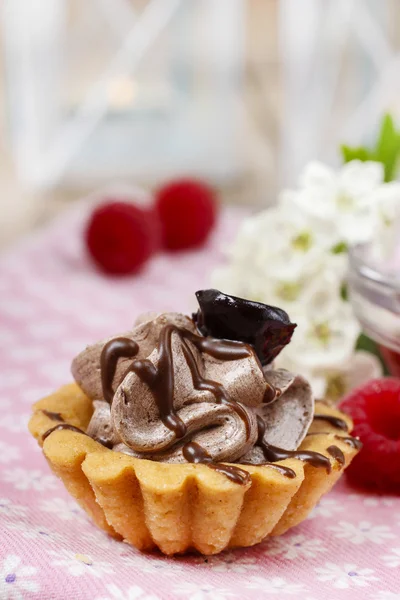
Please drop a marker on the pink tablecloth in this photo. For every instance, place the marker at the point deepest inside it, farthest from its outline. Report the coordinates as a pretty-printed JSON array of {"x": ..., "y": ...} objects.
[{"x": 51, "y": 304}]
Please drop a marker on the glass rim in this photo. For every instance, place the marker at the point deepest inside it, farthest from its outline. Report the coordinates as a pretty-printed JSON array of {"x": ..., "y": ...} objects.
[{"x": 360, "y": 266}]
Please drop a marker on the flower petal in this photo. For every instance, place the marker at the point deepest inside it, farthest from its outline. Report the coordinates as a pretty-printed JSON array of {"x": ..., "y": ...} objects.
[
  {"x": 318, "y": 175},
  {"x": 358, "y": 178}
]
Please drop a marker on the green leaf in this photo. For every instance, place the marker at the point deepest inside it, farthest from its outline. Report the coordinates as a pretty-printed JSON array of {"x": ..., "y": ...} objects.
[
  {"x": 388, "y": 147},
  {"x": 365, "y": 343},
  {"x": 359, "y": 153},
  {"x": 385, "y": 151}
]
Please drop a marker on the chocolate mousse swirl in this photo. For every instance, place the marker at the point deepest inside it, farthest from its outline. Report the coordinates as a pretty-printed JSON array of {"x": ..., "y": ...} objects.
[
  {"x": 164, "y": 391},
  {"x": 160, "y": 379},
  {"x": 178, "y": 399}
]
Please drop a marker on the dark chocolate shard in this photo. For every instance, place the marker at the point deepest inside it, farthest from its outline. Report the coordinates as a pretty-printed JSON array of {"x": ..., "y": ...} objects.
[{"x": 267, "y": 328}]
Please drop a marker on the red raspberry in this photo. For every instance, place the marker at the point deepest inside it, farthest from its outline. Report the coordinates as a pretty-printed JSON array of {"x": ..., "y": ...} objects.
[
  {"x": 375, "y": 410},
  {"x": 188, "y": 211},
  {"x": 121, "y": 237}
]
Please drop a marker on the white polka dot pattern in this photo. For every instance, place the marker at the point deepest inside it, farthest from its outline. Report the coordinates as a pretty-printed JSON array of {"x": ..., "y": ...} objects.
[{"x": 53, "y": 303}]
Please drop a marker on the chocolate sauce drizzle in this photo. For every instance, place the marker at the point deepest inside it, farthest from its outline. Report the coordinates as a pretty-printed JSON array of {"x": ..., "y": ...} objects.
[
  {"x": 194, "y": 453},
  {"x": 60, "y": 427},
  {"x": 350, "y": 441},
  {"x": 286, "y": 471},
  {"x": 334, "y": 421},
  {"x": 217, "y": 389},
  {"x": 337, "y": 454},
  {"x": 160, "y": 380},
  {"x": 54, "y": 416},
  {"x": 63, "y": 425},
  {"x": 113, "y": 350},
  {"x": 273, "y": 454}
]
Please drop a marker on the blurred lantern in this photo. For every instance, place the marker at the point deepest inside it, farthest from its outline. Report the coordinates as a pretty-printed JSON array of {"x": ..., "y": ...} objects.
[
  {"x": 340, "y": 73},
  {"x": 151, "y": 89},
  {"x": 122, "y": 88}
]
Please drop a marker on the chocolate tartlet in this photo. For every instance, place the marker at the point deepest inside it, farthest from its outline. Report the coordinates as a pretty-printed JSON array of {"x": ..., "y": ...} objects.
[{"x": 179, "y": 434}]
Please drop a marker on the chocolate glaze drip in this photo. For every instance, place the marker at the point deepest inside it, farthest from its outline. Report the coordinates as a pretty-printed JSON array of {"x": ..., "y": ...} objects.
[
  {"x": 337, "y": 454},
  {"x": 226, "y": 350},
  {"x": 194, "y": 453},
  {"x": 315, "y": 459},
  {"x": 332, "y": 420},
  {"x": 218, "y": 390},
  {"x": 112, "y": 351},
  {"x": 160, "y": 379},
  {"x": 286, "y": 471},
  {"x": 221, "y": 349},
  {"x": 350, "y": 441},
  {"x": 60, "y": 427},
  {"x": 54, "y": 416},
  {"x": 273, "y": 454}
]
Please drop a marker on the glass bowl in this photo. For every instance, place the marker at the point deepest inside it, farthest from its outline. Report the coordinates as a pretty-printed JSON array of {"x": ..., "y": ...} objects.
[{"x": 374, "y": 291}]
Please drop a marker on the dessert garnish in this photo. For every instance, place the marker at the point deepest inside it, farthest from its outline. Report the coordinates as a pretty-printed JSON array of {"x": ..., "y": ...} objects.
[
  {"x": 375, "y": 410},
  {"x": 187, "y": 211},
  {"x": 177, "y": 439},
  {"x": 273, "y": 454},
  {"x": 267, "y": 328},
  {"x": 173, "y": 389},
  {"x": 121, "y": 237},
  {"x": 332, "y": 420}
]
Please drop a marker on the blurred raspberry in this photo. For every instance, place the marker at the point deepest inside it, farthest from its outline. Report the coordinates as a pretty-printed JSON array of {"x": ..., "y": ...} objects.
[
  {"x": 375, "y": 410},
  {"x": 188, "y": 211},
  {"x": 121, "y": 237}
]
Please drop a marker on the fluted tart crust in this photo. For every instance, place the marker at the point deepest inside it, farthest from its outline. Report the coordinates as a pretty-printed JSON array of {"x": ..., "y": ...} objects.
[{"x": 181, "y": 507}]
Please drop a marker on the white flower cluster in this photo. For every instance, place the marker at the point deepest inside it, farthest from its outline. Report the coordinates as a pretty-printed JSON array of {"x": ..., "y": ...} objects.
[{"x": 294, "y": 256}]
